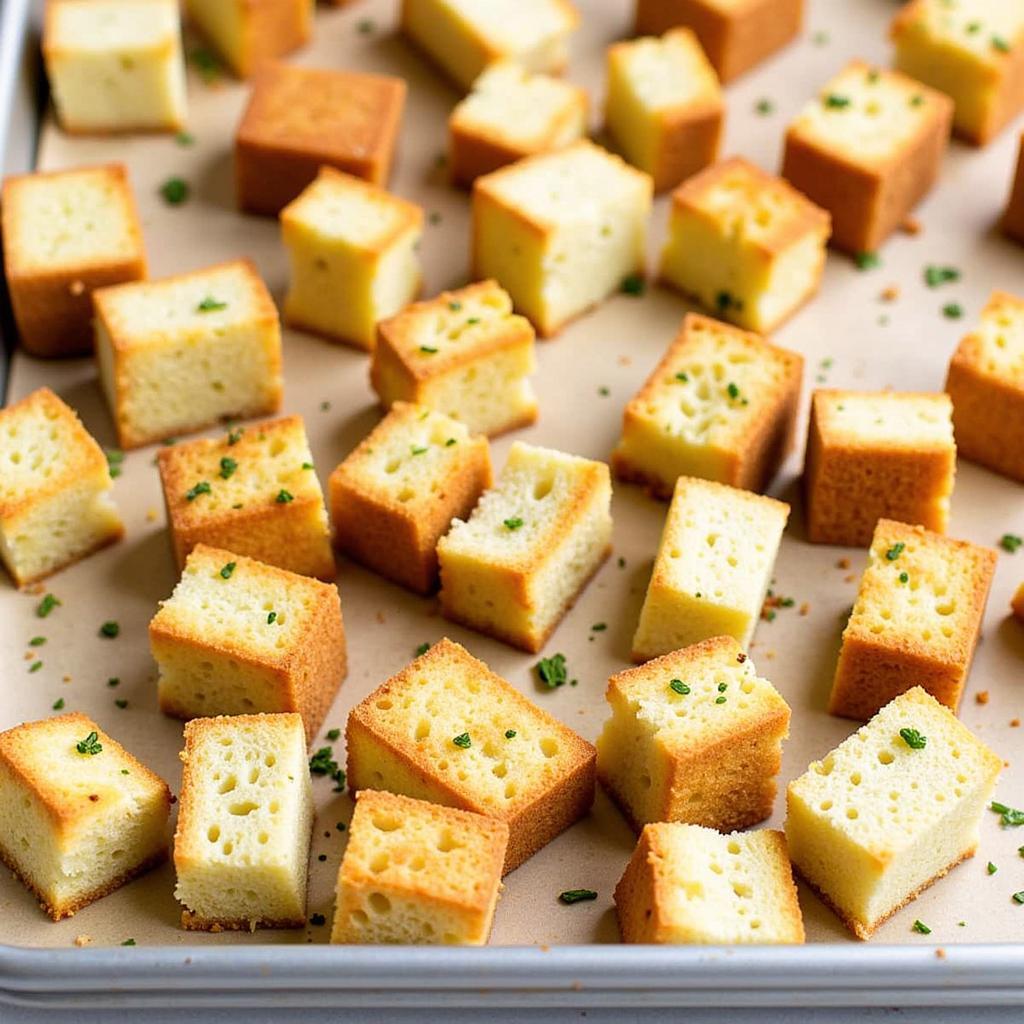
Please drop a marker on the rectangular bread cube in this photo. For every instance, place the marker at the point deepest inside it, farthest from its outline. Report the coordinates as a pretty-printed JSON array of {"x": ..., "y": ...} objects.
[
  {"x": 255, "y": 493},
  {"x": 986, "y": 385},
  {"x": 916, "y": 620},
  {"x": 417, "y": 873},
  {"x": 713, "y": 567},
  {"x": 891, "y": 810},
  {"x": 973, "y": 51},
  {"x": 449, "y": 730},
  {"x": 512, "y": 113},
  {"x": 694, "y": 736},
  {"x": 745, "y": 244},
  {"x": 352, "y": 248},
  {"x": 55, "y": 504},
  {"x": 79, "y": 816},
  {"x": 463, "y": 353},
  {"x": 115, "y": 65},
  {"x": 464, "y": 37},
  {"x": 868, "y": 149},
  {"x": 299, "y": 119},
  {"x": 560, "y": 231},
  {"x": 875, "y": 455},
  {"x": 245, "y": 817},
  {"x": 735, "y": 34},
  {"x": 238, "y": 636},
  {"x": 534, "y": 540},
  {"x": 663, "y": 106},
  {"x": 1013, "y": 217},
  {"x": 181, "y": 353},
  {"x": 66, "y": 233},
  {"x": 688, "y": 885},
  {"x": 396, "y": 495},
  {"x": 720, "y": 405}
]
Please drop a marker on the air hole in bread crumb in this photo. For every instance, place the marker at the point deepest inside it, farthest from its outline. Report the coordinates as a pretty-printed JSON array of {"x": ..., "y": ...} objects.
[
  {"x": 825, "y": 805},
  {"x": 855, "y": 778},
  {"x": 243, "y": 808},
  {"x": 263, "y": 838},
  {"x": 422, "y": 729},
  {"x": 270, "y": 760},
  {"x": 446, "y": 842},
  {"x": 852, "y": 813},
  {"x": 228, "y": 784},
  {"x": 379, "y": 903},
  {"x": 548, "y": 746},
  {"x": 500, "y": 770},
  {"x": 418, "y": 863},
  {"x": 380, "y": 862},
  {"x": 542, "y": 488},
  {"x": 254, "y": 775},
  {"x": 824, "y": 767},
  {"x": 733, "y": 846},
  {"x": 213, "y": 833},
  {"x": 228, "y": 848},
  {"x": 886, "y": 756},
  {"x": 360, "y": 917},
  {"x": 510, "y": 790},
  {"x": 386, "y": 822},
  {"x": 385, "y": 705}
]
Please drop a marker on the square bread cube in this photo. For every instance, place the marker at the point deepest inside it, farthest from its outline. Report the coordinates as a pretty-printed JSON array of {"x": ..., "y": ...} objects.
[
  {"x": 735, "y": 34},
  {"x": 744, "y": 244},
  {"x": 516, "y": 566},
  {"x": 891, "y": 810},
  {"x": 352, "y": 248},
  {"x": 66, "y": 233},
  {"x": 55, "y": 504},
  {"x": 417, "y": 873},
  {"x": 115, "y": 65},
  {"x": 238, "y": 636},
  {"x": 916, "y": 620},
  {"x": 396, "y": 495},
  {"x": 300, "y": 119},
  {"x": 664, "y": 107},
  {"x": 449, "y": 730},
  {"x": 245, "y": 818},
  {"x": 79, "y": 816},
  {"x": 877, "y": 455},
  {"x": 694, "y": 736},
  {"x": 179, "y": 354},
  {"x": 986, "y": 385},
  {"x": 720, "y": 405},
  {"x": 255, "y": 493},
  {"x": 973, "y": 51},
  {"x": 1013, "y": 218},
  {"x": 512, "y": 113},
  {"x": 868, "y": 149},
  {"x": 464, "y": 37},
  {"x": 463, "y": 353},
  {"x": 560, "y": 231},
  {"x": 247, "y": 35},
  {"x": 688, "y": 885},
  {"x": 713, "y": 567}
]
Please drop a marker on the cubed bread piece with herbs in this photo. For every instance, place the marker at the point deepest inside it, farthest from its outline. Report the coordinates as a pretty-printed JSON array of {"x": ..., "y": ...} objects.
[
  {"x": 254, "y": 492},
  {"x": 418, "y": 873},
  {"x": 79, "y": 816},
  {"x": 1013, "y": 217},
  {"x": 892, "y": 809}
]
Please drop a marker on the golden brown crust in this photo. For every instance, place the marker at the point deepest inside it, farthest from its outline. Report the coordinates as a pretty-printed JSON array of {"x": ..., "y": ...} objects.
[{"x": 194, "y": 923}]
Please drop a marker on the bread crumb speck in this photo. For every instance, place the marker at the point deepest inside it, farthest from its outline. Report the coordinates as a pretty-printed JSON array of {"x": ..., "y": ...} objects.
[
  {"x": 805, "y": 608},
  {"x": 890, "y": 294},
  {"x": 981, "y": 697},
  {"x": 151, "y": 514},
  {"x": 911, "y": 226},
  {"x": 843, "y": 563},
  {"x": 940, "y": 953},
  {"x": 83, "y": 940},
  {"x": 1014, "y": 723}
]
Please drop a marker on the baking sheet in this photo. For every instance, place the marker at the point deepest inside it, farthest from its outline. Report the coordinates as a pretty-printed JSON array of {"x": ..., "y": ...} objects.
[{"x": 848, "y": 337}]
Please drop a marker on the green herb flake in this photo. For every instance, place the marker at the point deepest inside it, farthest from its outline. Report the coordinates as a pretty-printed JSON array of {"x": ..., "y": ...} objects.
[
  {"x": 450, "y": 442},
  {"x": 48, "y": 603},
  {"x": 318, "y": 920},
  {"x": 227, "y": 569},
  {"x": 913, "y": 738},
  {"x": 895, "y": 551},
  {"x": 552, "y": 671},
  {"x": 1000, "y": 44},
  {"x": 365, "y": 26},
  {"x": 991, "y": 868},
  {"x": 683, "y": 376},
  {"x": 185, "y": 139},
  {"x": 113, "y": 681},
  {"x": 129, "y": 942},
  {"x": 952, "y": 311},
  {"x": 1018, "y": 897},
  {"x": 867, "y": 260},
  {"x": 206, "y": 64},
  {"x": 435, "y": 219},
  {"x": 203, "y": 487},
  {"x": 834, "y": 101},
  {"x": 462, "y": 741},
  {"x": 422, "y": 649},
  {"x": 904, "y": 577},
  {"x": 936, "y": 275},
  {"x": 333, "y": 734},
  {"x": 733, "y": 391},
  {"x": 37, "y": 641},
  {"x": 820, "y": 38},
  {"x": 419, "y": 449},
  {"x": 916, "y": 100},
  {"x": 678, "y": 686},
  {"x": 227, "y": 467},
  {"x": 514, "y": 523},
  {"x": 174, "y": 191},
  {"x": 121, "y": 703},
  {"x": 1011, "y": 817},
  {"x": 764, "y": 107},
  {"x": 115, "y": 462},
  {"x": 210, "y": 305},
  {"x": 90, "y": 745},
  {"x": 599, "y": 627},
  {"x": 307, "y": 465},
  {"x": 921, "y": 928},
  {"x": 510, "y": 734},
  {"x": 1011, "y": 542},
  {"x": 721, "y": 700},
  {"x": 234, "y": 436},
  {"x": 429, "y": 349},
  {"x": 58, "y": 704},
  {"x": 455, "y": 306},
  {"x": 571, "y": 896},
  {"x": 283, "y": 497},
  {"x": 634, "y": 284},
  {"x": 271, "y": 618},
  {"x": 110, "y": 629},
  {"x": 323, "y": 763},
  {"x": 35, "y": 666}
]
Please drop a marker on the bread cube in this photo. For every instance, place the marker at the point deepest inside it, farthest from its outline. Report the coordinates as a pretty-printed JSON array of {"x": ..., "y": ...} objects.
[
  {"x": 115, "y": 65},
  {"x": 55, "y": 504},
  {"x": 448, "y": 730},
  {"x": 916, "y": 620},
  {"x": 417, "y": 873},
  {"x": 179, "y": 354},
  {"x": 744, "y": 244},
  {"x": 352, "y": 248},
  {"x": 463, "y": 353},
  {"x": 868, "y": 149},
  {"x": 973, "y": 51},
  {"x": 1013, "y": 218},
  {"x": 66, "y": 233},
  {"x": 247, "y": 35},
  {"x": 238, "y": 636},
  {"x": 694, "y": 736},
  {"x": 890, "y": 811},
  {"x": 80, "y": 815},
  {"x": 300, "y": 119},
  {"x": 986, "y": 385},
  {"x": 560, "y": 231},
  {"x": 735, "y": 35},
  {"x": 255, "y": 493},
  {"x": 687, "y": 885},
  {"x": 721, "y": 405},
  {"x": 877, "y": 455},
  {"x": 512, "y": 113},
  {"x": 664, "y": 107},
  {"x": 396, "y": 495},
  {"x": 464, "y": 37},
  {"x": 245, "y": 818},
  {"x": 713, "y": 567},
  {"x": 534, "y": 540}
]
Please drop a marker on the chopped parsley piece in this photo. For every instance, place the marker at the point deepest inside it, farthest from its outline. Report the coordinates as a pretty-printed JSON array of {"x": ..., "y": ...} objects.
[
  {"x": 552, "y": 671},
  {"x": 429, "y": 349},
  {"x": 1011, "y": 542},
  {"x": 764, "y": 107},
  {"x": 283, "y": 497},
  {"x": 333, "y": 734},
  {"x": 174, "y": 191},
  {"x": 185, "y": 139},
  {"x": 90, "y": 745},
  {"x": 450, "y": 442},
  {"x": 113, "y": 681},
  {"x": 726, "y": 300},
  {"x": 203, "y": 487},
  {"x": 121, "y": 703},
  {"x": 510, "y": 734},
  {"x": 307, "y": 465},
  {"x": 867, "y": 260},
  {"x": 935, "y": 275},
  {"x": 48, "y": 603},
  {"x": 733, "y": 391},
  {"x": 366, "y": 26},
  {"x": 820, "y": 38},
  {"x": 462, "y": 741},
  {"x": 683, "y": 376},
  {"x": 1018, "y": 897},
  {"x": 1011, "y": 817},
  {"x": 318, "y": 920},
  {"x": 916, "y": 100},
  {"x": 921, "y": 928},
  {"x": 455, "y": 306},
  {"x": 913, "y": 739},
  {"x": 35, "y": 666},
  {"x": 210, "y": 305},
  {"x": 635, "y": 284},
  {"x": 599, "y": 627},
  {"x": 325, "y": 406},
  {"x": 722, "y": 687},
  {"x": 991, "y": 869},
  {"x": 952, "y": 311},
  {"x": 323, "y": 763},
  {"x": 571, "y": 896},
  {"x": 128, "y": 942},
  {"x": 422, "y": 649},
  {"x": 721, "y": 700},
  {"x": 1000, "y": 44},
  {"x": 514, "y": 523},
  {"x": 227, "y": 570},
  {"x": 904, "y": 577},
  {"x": 271, "y": 618},
  {"x": 227, "y": 467},
  {"x": 678, "y": 686},
  {"x": 895, "y": 551},
  {"x": 58, "y": 704},
  {"x": 110, "y": 629},
  {"x": 115, "y": 461},
  {"x": 37, "y": 641},
  {"x": 836, "y": 102},
  {"x": 206, "y": 64},
  {"x": 435, "y": 219},
  {"x": 234, "y": 436},
  {"x": 418, "y": 449}
]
